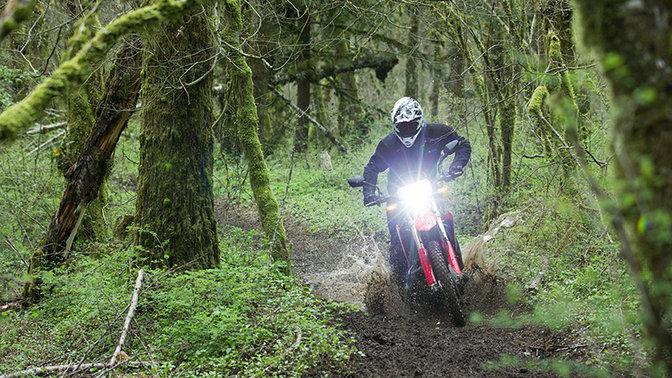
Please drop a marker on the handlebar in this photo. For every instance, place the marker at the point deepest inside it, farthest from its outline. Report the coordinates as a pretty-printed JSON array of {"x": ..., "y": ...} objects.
[{"x": 379, "y": 200}]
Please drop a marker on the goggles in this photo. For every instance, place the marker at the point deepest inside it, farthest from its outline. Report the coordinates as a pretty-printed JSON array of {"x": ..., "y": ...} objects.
[{"x": 407, "y": 129}]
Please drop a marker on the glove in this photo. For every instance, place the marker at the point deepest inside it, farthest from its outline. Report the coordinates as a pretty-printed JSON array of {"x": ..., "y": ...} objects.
[
  {"x": 369, "y": 198},
  {"x": 455, "y": 172}
]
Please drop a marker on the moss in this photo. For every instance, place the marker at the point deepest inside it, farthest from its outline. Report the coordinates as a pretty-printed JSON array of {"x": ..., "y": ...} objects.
[
  {"x": 175, "y": 199},
  {"x": 537, "y": 100},
  {"x": 21, "y": 115},
  {"x": 247, "y": 121}
]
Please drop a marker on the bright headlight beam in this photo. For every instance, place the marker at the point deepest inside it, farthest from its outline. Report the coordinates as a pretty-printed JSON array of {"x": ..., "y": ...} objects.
[{"x": 417, "y": 195}]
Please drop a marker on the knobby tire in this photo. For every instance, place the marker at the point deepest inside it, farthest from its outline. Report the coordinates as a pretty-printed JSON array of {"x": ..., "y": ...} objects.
[{"x": 449, "y": 288}]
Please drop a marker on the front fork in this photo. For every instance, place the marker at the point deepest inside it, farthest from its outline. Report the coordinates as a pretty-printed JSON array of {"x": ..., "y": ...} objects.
[
  {"x": 424, "y": 256},
  {"x": 424, "y": 260}
]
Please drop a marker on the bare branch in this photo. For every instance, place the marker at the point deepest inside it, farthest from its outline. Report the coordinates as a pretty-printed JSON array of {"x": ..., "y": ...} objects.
[
  {"x": 326, "y": 132},
  {"x": 129, "y": 317}
]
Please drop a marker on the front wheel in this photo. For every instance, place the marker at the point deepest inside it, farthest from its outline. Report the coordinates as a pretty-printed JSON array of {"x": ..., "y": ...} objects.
[{"x": 449, "y": 287}]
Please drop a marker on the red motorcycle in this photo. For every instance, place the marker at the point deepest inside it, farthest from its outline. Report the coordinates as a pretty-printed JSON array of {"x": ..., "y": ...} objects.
[{"x": 424, "y": 240}]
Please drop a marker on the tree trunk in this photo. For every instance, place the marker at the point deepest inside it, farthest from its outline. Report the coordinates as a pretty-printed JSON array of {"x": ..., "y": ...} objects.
[
  {"x": 261, "y": 76},
  {"x": 320, "y": 94},
  {"x": 633, "y": 40},
  {"x": 436, "y": 79},
  {"x": 349, "y": 109},
  {"x": 87, "y": 174},
  {"x": 303, "y": 85},
  {"x": 483, "y": 96},
  {"x": 560, "y": 125},
  {"x": 81, "y": 103},
  {"x": 411, "y": 64},
  {"x": 175, "y": 202},
  {"x": 246, "y": 119}
]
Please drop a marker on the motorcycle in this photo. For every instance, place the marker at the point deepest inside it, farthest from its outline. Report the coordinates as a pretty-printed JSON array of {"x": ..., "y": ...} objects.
[{"x": 422, "y": 231}]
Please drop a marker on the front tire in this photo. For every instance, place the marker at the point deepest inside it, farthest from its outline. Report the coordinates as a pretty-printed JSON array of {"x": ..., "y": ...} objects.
[{"x": 448, "y": 285}]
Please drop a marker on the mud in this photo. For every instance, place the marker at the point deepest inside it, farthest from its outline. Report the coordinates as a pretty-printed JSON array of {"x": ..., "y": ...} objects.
[{"x": 393, "y": 339}]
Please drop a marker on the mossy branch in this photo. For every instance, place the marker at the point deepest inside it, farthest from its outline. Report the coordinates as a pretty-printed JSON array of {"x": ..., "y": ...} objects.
[
  {"x": 247, "y": 122},
  {"x": 537, "y": 100},
  {"x": 21, "y": 115}
]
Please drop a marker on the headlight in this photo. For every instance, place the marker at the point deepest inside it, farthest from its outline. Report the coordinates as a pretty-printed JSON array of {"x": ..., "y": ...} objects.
[{"x": 417, "y": 195}]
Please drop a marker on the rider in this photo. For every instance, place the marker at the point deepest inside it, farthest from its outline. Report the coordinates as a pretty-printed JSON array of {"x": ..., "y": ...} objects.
[{"x": 411, "y": 152}]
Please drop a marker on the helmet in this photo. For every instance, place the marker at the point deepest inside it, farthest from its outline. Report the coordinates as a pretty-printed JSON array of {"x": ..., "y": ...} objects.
[{"x": 407, "y": 119}]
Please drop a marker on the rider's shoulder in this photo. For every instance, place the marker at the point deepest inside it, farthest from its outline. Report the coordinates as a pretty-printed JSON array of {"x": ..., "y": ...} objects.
[
  {"x": 390, "y": 141},
  {"x": 435, "y": 129}
]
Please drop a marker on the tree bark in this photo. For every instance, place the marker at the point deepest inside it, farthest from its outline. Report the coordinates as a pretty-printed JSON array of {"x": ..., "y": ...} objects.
[
  {"x": 349, "y": 108},
  {"x": 261, "y": 76},
  {"x": 81, "y": 102},
  {"x": 175, "y": 202},
  {"x": 87, "y": 174},
  {"x": 562, "y": 115},
  {"x": 15, "y": 12},
  {"x": 411, "y": 89},
  {"x": 246, "y": 119},
  {"x": 633, "y": 41}
]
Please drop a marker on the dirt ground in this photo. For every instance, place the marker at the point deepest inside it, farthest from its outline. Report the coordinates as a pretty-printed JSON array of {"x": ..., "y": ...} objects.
[{"x": 391, "y": 342}]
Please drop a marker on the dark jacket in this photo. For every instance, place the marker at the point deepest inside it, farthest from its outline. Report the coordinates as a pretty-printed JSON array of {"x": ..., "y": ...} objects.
[{"x": 408, "y": 165}]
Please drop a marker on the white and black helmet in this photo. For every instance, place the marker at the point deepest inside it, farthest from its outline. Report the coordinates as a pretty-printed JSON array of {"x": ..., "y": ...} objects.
[{"x": 408, "y": 120}]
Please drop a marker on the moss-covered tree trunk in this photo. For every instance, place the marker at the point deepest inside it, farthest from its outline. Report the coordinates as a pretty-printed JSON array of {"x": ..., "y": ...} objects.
[
  {"x": 321, "y": 94},
  {"x": 175, "y": 202},
  {"x": 633, "y": 40},
  {"x": 554, "y": 112},
  {"x": 247, "y": 122}
]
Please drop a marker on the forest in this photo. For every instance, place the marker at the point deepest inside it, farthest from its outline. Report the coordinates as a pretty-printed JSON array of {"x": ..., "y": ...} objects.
[{"x": 175, "y": 198}]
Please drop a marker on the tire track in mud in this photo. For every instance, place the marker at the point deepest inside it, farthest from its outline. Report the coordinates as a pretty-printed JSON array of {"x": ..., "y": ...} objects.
[{"x": 390, "y": 343}]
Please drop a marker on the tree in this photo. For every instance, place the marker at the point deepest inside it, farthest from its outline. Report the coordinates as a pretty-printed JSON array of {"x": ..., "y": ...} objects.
[
  {"x": 247, "y": 123},
  {"x": 86, "y": 175},
  {"x": 81, "y": 102},
  {"x": 175, "y": 202},
  {"x": 633, "y": 42},
  {"x": 411, "y": 63}
]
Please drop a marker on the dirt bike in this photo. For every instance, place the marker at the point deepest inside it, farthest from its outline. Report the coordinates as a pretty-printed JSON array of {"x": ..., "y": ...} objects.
[{"x": 432, "y": 251}]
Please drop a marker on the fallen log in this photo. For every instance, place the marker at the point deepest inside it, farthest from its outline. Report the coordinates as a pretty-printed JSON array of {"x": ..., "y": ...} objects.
[{"x": 69, "y": 368}]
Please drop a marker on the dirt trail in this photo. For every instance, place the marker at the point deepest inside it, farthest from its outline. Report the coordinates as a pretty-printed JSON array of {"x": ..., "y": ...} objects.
[{"x": 390, "y": 344}]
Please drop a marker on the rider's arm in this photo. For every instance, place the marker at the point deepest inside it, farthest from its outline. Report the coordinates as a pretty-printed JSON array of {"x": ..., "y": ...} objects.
[
  {"x": 377, "y": 163},
  {"x": 462, "y": 153}
]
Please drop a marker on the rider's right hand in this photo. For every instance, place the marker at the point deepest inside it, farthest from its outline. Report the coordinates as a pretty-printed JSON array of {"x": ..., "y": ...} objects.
[{"x": 370, "y": 199}]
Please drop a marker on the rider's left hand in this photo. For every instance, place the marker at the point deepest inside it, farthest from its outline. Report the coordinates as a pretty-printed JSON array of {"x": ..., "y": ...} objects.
[{"x": 455, "y": 172}]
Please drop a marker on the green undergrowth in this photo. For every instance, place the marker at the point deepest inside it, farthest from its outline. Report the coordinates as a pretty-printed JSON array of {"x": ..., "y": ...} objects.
[
  {"x": 586, "y": 292},
  {"x": 243, "y": 319}
]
